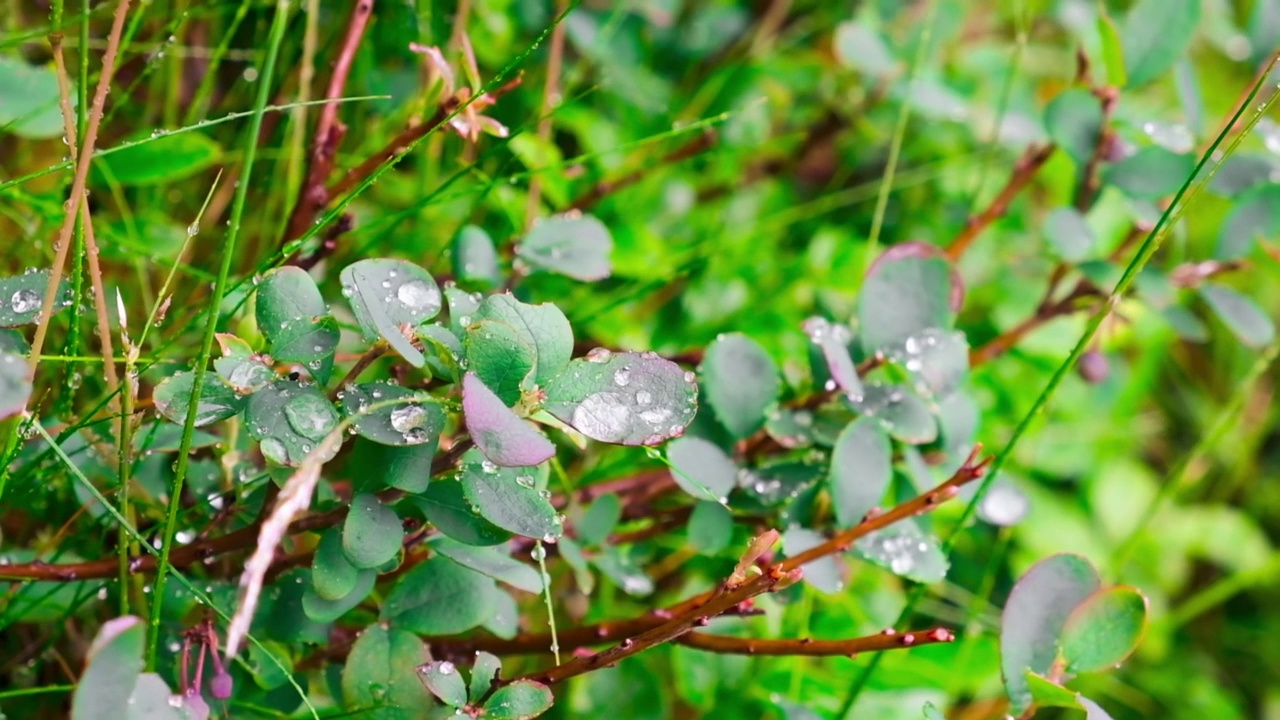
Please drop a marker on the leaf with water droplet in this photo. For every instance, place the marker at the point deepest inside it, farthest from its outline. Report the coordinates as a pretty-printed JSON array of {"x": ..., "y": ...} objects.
[
  {"x": 498, "y": 497},
  {"x": 1034, "y": 615},
  {"x": 1104, "y": 629},
  {"x": 578, "y": 246},
  {"x": 1074, "y": 121},
  {"x": 906, "y": 550},
  {"x": 15, "y": 387},
  {"x": 407, "y": 423},
  {"x": 901, "y": 412},
  {"x": 543, "y": 326},
  {"x": 502, "y": 357},
  {"x": 861, "y": 467},
  {"x": 903, "y": 296},
  {"x": 442, "y": 349},
  {"x": 172, "y": 398},
  {"x": 656, "y": 403},
  {"x": 475, "y": 259},
  {"x": 403, "y": 467},
  {"x": 243, "y": 375},
  {"x": 445, "y": 682},
  {"x": 741, "y": 381},
  {"x": 701, "y": 468},
  {"x": 372, "y": 532},
  {"x": 520, "y": 700},
  {"x": 22, "y": 297},
  {"x": 463, "y": 306},
  {"x": 386, "y": 294},
  {"x": 494, "y": 563},
  {"x": 380, "y": 678},
  {"x": 483, "y": 672},
  {"x": 440, "y": 597},
  {"x": 333, "y": 577},
  {"x": 938, "y": 361},
  {"x": 825, "y": 573},
  {"x": 1241, "y": 315},
  {"x": 446, "y": 507},
  {"x": 288, "y": 419},
  {"x": 504, "y": 437},
  {"x": 833, "y": 339}
]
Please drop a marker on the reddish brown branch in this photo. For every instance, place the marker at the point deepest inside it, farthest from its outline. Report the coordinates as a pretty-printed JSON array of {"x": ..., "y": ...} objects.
[
  {"x": 1023, "y": 171},
  {"x": 888, "y": 640}
]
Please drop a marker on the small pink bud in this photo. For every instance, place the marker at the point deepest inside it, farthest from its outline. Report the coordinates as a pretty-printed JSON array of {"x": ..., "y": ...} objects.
[{"x": 221, "y": 685}]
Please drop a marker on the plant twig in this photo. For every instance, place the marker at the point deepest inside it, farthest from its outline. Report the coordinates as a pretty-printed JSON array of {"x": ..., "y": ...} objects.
[
  {"x": 1024, "y": 170},
  {"x": 810, "y": 647}
]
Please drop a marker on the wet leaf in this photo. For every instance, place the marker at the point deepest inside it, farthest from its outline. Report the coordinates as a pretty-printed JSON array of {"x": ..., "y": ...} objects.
[
  {"x": 504, "y": 437},
  {"x": 217, "y": 402},
  {"x": 380, "y": 677},
  {"x": 861, "y": 467},
  {"x": 701, "y": 468},
  {"x": 288, "y": 419},
  {"x": 508, "y": 498},
  {"x": 1050, "y": 694},
  {"x": 1074, "y": 120},
  {"x": 906, "y": 550},
  {"x": 495, "y": 563},
  {"x": 439, "y": 597},
  {"x": 902, "y": 413},
  {"x": 406, "y": 468},
  {"x": 372, "y": 533},
  {"x": 444, "y": 681},
  {"x": 578, "y": 246},
  {"x": 501, "y": 357},
  {"x": 22, "y": 296},
  {"x": 833, "y": 340},
  {"x": 1151, "y": 173},
  {"x": 1034, "y": 615},
  {"x": 902, "y": 297},
  {"x": 333, "y": 577},
  {"x": 475, "y": 259},
  {"x": 741, "y": 382},
  {"x": 1240, "y": 314},
  {"x": 521, "y": 700},
  {"x": 325, "y": 610},
  {"x": 486, "y": 668},
  {"x": 12, "y": 341},
  {"x": 1104, "y": 629},
  {"x": 29, "y": 99},
  {"x": 623, "y": 571},
  {"x": 542, "y": 326},
  {"x": 445, "y": 506},
  {"x": 243, "y": 375},
  {"x": 409, "y": 423},
  {"x": 15, "y": 388},
  {"x": 624, "y": 398},
  {"x": 386, "y": 294},
  {"x": 1069, "y": 234},
  {"x": 152, "y": 699},
  {"x": 1155, "y": 33}
]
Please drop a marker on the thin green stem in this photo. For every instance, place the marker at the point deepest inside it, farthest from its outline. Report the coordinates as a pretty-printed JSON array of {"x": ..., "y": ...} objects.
[
  {"x": 278, "y": 25},
  {"x": 541, "y": 553}
]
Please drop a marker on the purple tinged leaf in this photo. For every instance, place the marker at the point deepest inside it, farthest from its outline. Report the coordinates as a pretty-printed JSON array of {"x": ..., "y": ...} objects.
[
  {"x": 624, "y": 398},
  {"x": 904, "y": 294},
  {"x": 502, "y": 436},
  {"x": 833, "y": 340}
]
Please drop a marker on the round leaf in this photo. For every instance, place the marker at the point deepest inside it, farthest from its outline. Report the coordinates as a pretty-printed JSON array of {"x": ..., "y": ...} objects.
[
  {"x": 15, "y": 387},
  {"x": 1074, "y": 120},
  {"x": 1104, "y": 629},
  {"x": 29, "y": 99},
  {"x": 386, "y": 294},
  {"x": 833, "y": 340},
  {"x": 440, "y": 597},
  {"x": 1034, "y": 615},
  {"x": 899, "y": 411},
  {"x": 741, "y": 382},
  {"x": 624, "y": 398},
  {"x": 701, "y": 468},
  {"x": 521, "y": 700},
  {"x": 1069, "y": 234},
  {"x": 903, "y": 296},
  {"x": 1155, "y": 34},
  {"x": 172, "y": 398},
  {"x": 507, "y": 498},
  {"x": 1151, "y": 173},
  {"x": 825, "y": 573},
  {"x": 483, "y": 672},
  {"x": 504, "y": 437},
  {"x": 904, "y": 549},
  {"x": 288, "y": 419},
  {"x": 445, "y": 682},
  {"x": 445, "y": 506},
  {"x": 22, "y": 297},
  {"x": 323, "y": 610},
  {"x": 710, "y": 527},
  {"x": 406, "y": 468},
  {"x": 861, "y": 466},
  {"x": 543, "y": 326},
  {"x": 1240, "y": 314},
  {"x": 332, "y": 575},
  {"x": 372, "y": 533},
  {"x": 382, "y": 672},
  {"x": 502, "y": 357},
  {"x": 474, "y": 257},
  {"x": 578, "y": 246},
  {"x": 416, "y": 423}
]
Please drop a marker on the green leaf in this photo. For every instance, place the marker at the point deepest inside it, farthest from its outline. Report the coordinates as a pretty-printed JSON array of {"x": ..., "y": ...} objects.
[
  {"x": 904, "y": 549},
  {"x": 1074, "y": 121},
  {"x": 903, "y": 296},
  {"x": 114, "y": 662},
  {"x": 159, "y": 159},
  {"x": 325, "y": 610},
  {"x": 1240, "y": 314},
  {"x": 710, "y": 527},
  {"x": 462, "y": 307},
  {"x": 520, "y": 700},
  {"x": 861, "y": 466},
  {"x": 439, "y": 597},
  {"x": 218, "y": 402},
  {"x": 445, "y": 506},
  {"x": 574, "y": 245},
  {"x": 380, "y": 677},
  {"x": 1034, "y": 615},
  {"x": 1241, "y": 172},
  {"x": 445, "y": 682},
  {"x": 1069, "y": 234},
  {"x": 12, "y": 341},
  {"x": 1112, "y": 50},
  {"x": 483, "y": 672},
  {"x": 833, "y": 340},
  {"x": 599, "y": 520},
  {"x": 502, "y": 357},
  {"x": 152, "y": 699},
  {"x": 332, "y": 575},
  {"x": 293, "y": 317},
  {"x": 623, "y": 571},
  {"x": 1104, "y": 629},
  {"x": 504, "y": 621},
  {"x": 1155, "y": 34},
  {"x": 15, "y": 387},
  {"x": 1050, "y": 694},
  {"x": 372, "y": 533},
  {"x": 410, "y": 423},
  {"x": 29, "y": 99},
  {"x": 475, "y": 259},
  {"x": 701, "y": 468},
  {"x": 938, "y": 361},
  {"x": 1255, "y": 216},
  {"x": 22, "y": 296},
  {"x": 741, "y": 381},
  {"x": 406, "y": 468},
  {"x": 288, "y": 419},
  {"x": 1151, "y": 173},
  {"x": 243, "y": 375},
  {"x": 491, "y": 562},
  {"x": 863, "y": 49},
  {"x": 825, "y": 573},
  {"x": 504, "y": 437},
  {"x": 386, "y": 294},
  {"x": 624, "y": 398},
  {"x": 543, "y": 326},
  {"x": 507, "y": 498}
]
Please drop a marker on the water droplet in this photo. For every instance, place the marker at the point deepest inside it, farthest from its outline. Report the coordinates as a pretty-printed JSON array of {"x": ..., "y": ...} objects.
[
  {"x": 599, "y": 355},
  {"x": 622, "y": 377},
  {"x": 24, "y": 301},
  {"x": 420, "y": 297},
  {"x": 408, "y": 417},
  {"x": 602, "y": 416},
  {"x": 447, "y": 668}
]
